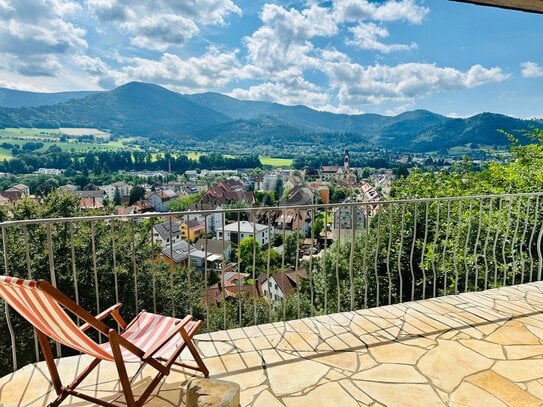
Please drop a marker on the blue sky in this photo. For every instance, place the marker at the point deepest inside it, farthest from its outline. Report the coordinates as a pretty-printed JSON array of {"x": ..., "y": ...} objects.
[{"x": 349, "y": 56}]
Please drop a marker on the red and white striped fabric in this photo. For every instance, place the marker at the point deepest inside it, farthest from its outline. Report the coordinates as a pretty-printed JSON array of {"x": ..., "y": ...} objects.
[
  {"x": 147, "y": 331},
  {"x": 46, "y": 314}
]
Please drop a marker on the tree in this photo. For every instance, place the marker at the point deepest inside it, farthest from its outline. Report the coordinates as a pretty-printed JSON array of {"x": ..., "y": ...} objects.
[
  {"x": 278, "y": 188},
  {"x": 137, "y": 193},
  {"x": 291, "y": 247},
  {"x": 339, "y": 195},
  {"x": 401, "y": 171},
  {"x": 46, "y": 187},
  {"x": 183, "y": 203},
  {"x": 117, "y": 197},
  {"x": 61, "y": 204},
  {"x": 248, "y": 247},
  {"x": 317, "y": 227}
]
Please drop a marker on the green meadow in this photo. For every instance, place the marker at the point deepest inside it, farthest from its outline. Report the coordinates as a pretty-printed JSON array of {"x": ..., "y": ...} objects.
[
  {"x": 68, "y": 140},
  {"x": 276, "y": 162}
]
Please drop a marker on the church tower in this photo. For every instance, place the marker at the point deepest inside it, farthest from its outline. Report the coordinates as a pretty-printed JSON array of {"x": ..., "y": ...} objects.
[{"x": 346, "y": 161}]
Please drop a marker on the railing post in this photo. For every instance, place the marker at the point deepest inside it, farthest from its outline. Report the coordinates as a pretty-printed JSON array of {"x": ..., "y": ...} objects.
[{"x": 6, "y": 306}]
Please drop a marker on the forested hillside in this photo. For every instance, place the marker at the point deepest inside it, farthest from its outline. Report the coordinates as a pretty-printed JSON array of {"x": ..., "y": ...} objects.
[{"x": 150, "y": 111}]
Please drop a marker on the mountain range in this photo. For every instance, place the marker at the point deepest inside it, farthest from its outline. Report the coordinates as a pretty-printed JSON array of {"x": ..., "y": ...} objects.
[{"x": 147, "y": 110}]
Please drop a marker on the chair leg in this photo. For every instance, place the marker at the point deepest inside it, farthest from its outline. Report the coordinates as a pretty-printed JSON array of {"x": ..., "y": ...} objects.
[
  {"x": 194, "y": 352},
  {"x": 121, "y": 369},
  {"x": 65, "y": 391},
  {"x": 50, "y": 361}
]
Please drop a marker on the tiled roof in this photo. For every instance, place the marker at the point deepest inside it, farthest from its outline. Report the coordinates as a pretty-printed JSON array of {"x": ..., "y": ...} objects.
[
  {"x": 163, "y": 229},
  {"x": 90, "y": 203},
  {"x": 214, "y": 246}
]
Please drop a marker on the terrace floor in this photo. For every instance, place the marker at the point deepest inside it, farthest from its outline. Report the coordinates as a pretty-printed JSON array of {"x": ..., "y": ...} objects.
[{"x": 475, "y": 349}]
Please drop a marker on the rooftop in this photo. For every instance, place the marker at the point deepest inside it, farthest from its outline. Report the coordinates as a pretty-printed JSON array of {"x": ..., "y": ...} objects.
[
  {"x": 245, "y": 227},
  {"x": 479, "y": 348}
]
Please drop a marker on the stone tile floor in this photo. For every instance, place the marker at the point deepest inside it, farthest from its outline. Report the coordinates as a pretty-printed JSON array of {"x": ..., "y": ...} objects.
[{"x": 475, "y": 349}]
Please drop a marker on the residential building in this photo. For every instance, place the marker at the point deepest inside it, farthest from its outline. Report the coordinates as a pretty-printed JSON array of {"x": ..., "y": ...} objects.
[
  {"x": 49, "y": 171},
  {"x": 298, "y": 196},
  {"x": 98, "y": 195},
  {"x": 191, "y": 229},
  {"x": 167, "y": 232},
  {"x": 182, "y": 253},
  {"x": 25, "y": 190},
  {"x": 237, "y": 231},
  {"x": 270, "y": 181},
  {"x": 279, "y": 285},
  {"x": 369, "y": 194},
  {"x": 159, "y": 198},
  {"x": 143, "y": 206},
  {"x": 214, "y": 220},
  {"x": 291, "y": 219},
  {"x": 16, "y": 192},
  {"x": 230, "y": 286},
  {"x": 229, "y": 191},
  {"x": 330, "y": 171},
  {"x": 122, "y": 187},
  {"x": 88, "y": 203},
  {"x": 343, "y": 217},
  {"x": 176, "y": 254},
  {"x": 124, "y": 210},
  {"x": 222, "y": 248}
]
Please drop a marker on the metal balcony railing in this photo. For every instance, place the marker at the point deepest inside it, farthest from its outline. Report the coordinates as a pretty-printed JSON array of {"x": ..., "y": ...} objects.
[{"x": 303, "y": 261}]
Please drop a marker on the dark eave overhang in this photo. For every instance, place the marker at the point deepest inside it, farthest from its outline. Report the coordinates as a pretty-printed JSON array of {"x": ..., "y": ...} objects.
[{"x": 533, "y": 6}]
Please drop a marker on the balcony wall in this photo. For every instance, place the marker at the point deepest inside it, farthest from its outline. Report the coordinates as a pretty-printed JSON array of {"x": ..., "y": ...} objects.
[
  {"x": 401, "y": 251},
  {"x": 472, "y": 349}
]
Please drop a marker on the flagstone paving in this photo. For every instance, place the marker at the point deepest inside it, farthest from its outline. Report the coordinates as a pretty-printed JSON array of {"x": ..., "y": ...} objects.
[{"x": 475, "y": 349}]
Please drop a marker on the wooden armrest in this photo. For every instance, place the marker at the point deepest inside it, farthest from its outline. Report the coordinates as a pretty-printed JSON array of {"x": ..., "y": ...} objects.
[
  {"x": 113, "y": 311},
  {"x": 173, "y": 331}
]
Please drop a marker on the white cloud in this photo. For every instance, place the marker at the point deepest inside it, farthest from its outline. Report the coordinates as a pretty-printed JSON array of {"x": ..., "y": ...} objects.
[
  {"x": 205, "y": 11},
  {"x": 377, "y": 84},
  {"x": 341, "y": 109},
  {"x": 289, "y": 88},
  {"x": 391, "y": 10},
  {"x": 296, "y": 56},
  {"x": 34, "y": 36},
  {"x": 20, "y": 85},
  {"x": 531, "y": 70},
  {"x": 283, "y": 40},
  {"x": 101, "y": 73},
  {"x": 367, "y": 36},
  {"x": 333, "y": 55},
  {"x": 160, "y": 32},
  {"x": 212, "y": 71},
  {"x": 158, "y": 25}
]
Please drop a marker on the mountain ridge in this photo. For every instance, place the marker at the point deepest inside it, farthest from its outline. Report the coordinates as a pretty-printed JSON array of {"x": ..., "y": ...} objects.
[{"x": 152, "y": 111}]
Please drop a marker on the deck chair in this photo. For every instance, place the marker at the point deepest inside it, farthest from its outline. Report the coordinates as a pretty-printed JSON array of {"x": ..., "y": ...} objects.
[{"x": 149, "y": 339}]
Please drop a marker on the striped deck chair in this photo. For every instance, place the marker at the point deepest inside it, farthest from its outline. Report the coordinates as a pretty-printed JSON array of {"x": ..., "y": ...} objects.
[{"x": 152, "y": 339}]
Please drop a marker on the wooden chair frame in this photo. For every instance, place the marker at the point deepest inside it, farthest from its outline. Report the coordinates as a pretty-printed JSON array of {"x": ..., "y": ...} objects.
[{"x": 117, "y": 342}]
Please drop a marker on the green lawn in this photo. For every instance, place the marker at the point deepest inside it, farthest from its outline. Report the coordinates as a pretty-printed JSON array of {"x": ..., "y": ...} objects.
[
  {"x": 192, "y": 155},
  {"x": 195, "y": 156},
  {"x": 276, "y": 162},
  {"x": 50, "y": 137},
  {"x": 49, "y": 133}
]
